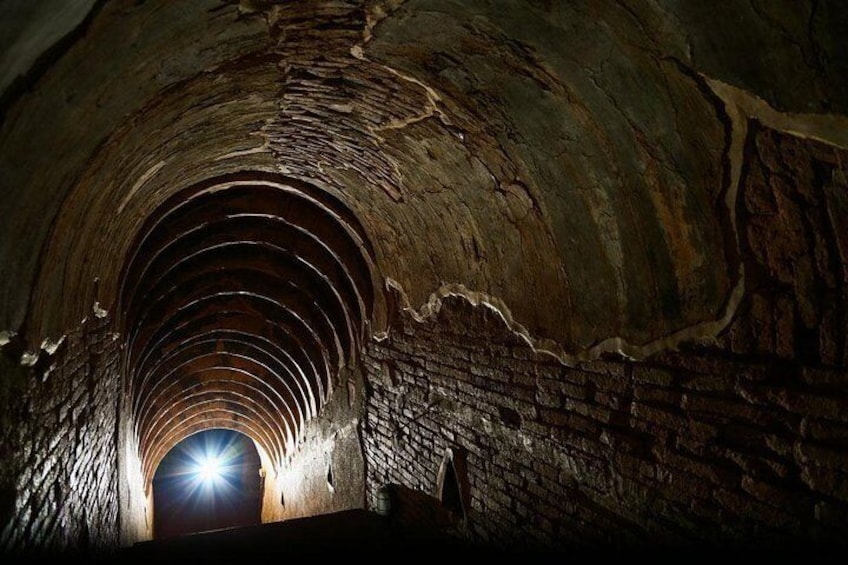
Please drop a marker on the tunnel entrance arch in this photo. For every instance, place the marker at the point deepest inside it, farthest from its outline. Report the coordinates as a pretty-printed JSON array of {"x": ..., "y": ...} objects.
[
  {"x": 241, "y": 299},
  {"x": 208, "y": 481}
]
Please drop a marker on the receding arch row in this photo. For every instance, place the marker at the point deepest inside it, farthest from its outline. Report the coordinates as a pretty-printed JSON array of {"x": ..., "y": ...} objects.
[
  {"x": 287, "y": 349},
  {"x": 325, "y": 276},
  {"x": 277, "y": 300},
  {"x": 224, "y": 344},
  {"x": 197, "y": 408},
  {"x": 240, "y": 313},
  {"x": 239, "y": 377},
  {"x": 238, "y": 202},
  {"x": 195, "y": 209},
  {"x": 241, "y": 298},
  {"x": 316, "y": 214}
]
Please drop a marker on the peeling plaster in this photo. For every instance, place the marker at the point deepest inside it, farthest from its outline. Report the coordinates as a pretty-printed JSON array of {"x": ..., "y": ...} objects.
[
  {"x": 704, "y": 331},
  {"x": 29, "y": 359},
  {"x": 377, "y": 12},
  {"x": 6, "y": 337},
  {"x": 50, "y": 346},
  {"x": 432, "y": 110},
  {"x": 698, "y": 332},
  {"x": 99, "y": 312},
  {"x": 740, "y": 106},
  {"x": 264, "y": 147},
  {"x": 433, "y": 97},
  {"x": 831, "y": 129},
  {"x": 47, "y": 371}
]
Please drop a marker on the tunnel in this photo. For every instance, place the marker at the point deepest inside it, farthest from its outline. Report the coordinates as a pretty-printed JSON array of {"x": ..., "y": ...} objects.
[
  {"x": 243, "y": 299},
  {"x": 530, "y": 275},
  {"x": 209, "y": 481}
]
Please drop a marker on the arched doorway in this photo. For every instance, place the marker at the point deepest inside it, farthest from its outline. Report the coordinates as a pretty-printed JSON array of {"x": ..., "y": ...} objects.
[{"x": 208, "y": 481}]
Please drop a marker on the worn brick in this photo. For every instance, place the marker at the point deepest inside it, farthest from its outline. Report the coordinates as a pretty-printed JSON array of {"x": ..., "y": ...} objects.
[
  {"x": 654, "y": 395},
  {"x": 824, "y": 431},
  {"x": 70, "y": 475},
  {"x": 782, "y": 498},
  {"x": 687, "y": 446},
  {"x": 658, "y": 416},
  {"x": 812, "y": 404},
  {"x": 653, "y": 376}
]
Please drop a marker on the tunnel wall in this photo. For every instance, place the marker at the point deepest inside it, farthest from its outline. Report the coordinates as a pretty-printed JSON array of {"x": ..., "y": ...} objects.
[
  {"x": 136, "y": 501},
  {"x": 569, "y": 159},
  {"x": 684, "y": 448},
  {"x": 58, "y": 456},
  {"x": 741, "y": 439},
  {"x": 306, "y": 486}
]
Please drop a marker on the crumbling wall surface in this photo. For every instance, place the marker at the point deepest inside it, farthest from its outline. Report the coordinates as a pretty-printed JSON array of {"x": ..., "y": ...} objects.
[
  {"x": 325, "y": 473},
  {"x": 735, "y": 440},
  {"x": 58, "y": 452}
]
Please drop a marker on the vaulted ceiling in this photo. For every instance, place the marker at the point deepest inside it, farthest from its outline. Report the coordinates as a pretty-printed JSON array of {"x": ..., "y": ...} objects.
[{"x": 249, "y": 188}]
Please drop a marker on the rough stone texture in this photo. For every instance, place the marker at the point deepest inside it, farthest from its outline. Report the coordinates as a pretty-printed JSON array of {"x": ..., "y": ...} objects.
[
  {"x": 112, "y": 71},
  {"x": 134, "y": 495},
  {"x": 58, "y": 444},
  {"x": 431, "y": 120},
  {"x": 683, "y": 449},
  {"x": 740, "y": 441},
  {"x": 610, "y": 176},
  {"x": 793, "y": 205},
  {"x": 330, "y": 441},
  {"x": 573, "y": 165}
]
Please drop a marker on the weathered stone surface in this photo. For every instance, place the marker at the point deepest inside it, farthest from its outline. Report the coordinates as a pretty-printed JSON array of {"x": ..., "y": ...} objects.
[
  {"x": 330, "y": 448},
  {"x": 659, "y": 460},
  {"x": 517, "y": 179},
  {"x": 609, "y": 150},
  {"x": 789, "y": 53},
  {"x": 386, "y": 124},
  {"x": 58, "y": 450},
  {"x": 792, "y": 206}
]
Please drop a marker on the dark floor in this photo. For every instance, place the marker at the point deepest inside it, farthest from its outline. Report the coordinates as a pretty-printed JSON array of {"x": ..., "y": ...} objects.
[
  {"x": 361, "y": 535},
  {"x": 352, "y": 532}
]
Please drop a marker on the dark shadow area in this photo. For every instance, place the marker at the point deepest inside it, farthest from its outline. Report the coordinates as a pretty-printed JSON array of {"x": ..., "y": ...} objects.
[
  {"x": 349, "y": 533},
  {"x": 451, "y": 499}
]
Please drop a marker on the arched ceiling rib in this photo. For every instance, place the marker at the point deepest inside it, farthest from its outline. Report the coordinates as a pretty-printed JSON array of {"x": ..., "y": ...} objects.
[{"x": 240, "y": 302}]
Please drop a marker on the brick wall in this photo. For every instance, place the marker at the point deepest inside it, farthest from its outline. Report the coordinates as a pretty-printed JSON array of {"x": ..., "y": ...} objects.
[
  {"x": 58, "y": 461},
  {"x": 739, "y": 440},
  {"x": 329, "y": 448},
  {"x": 685, "y": 448}
]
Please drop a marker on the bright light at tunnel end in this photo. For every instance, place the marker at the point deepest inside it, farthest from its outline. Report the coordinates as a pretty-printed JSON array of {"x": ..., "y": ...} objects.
[
  {"x": 209, "y": 469},
  {"x": 211, "y": 466},
  {"x": 208, "y": 465}
]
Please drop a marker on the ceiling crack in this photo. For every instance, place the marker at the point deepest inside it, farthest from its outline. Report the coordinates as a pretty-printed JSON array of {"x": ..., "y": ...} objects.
[{"x": 431, "y": 110}]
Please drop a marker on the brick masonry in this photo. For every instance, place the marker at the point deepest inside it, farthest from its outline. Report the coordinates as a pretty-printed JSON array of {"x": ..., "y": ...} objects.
[
  {"x": 329, "y": 448},
  {"x": 736, "y": 441},
  {"x": 739, "y": 439},
  {"x": 58, "y": 471}
]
